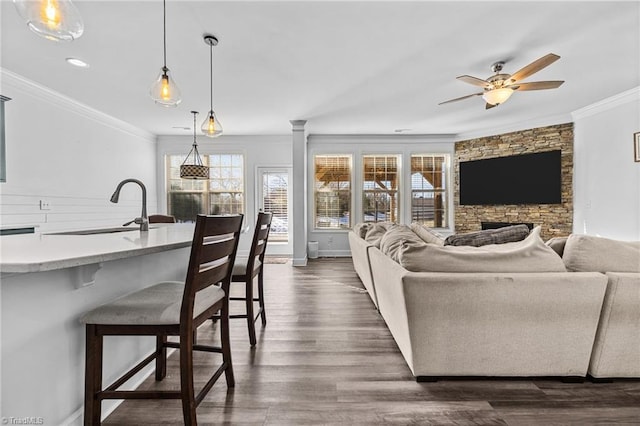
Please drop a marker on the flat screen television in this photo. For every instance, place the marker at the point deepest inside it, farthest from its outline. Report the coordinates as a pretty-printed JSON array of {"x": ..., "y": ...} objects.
[{"x": 518, "y": 179}]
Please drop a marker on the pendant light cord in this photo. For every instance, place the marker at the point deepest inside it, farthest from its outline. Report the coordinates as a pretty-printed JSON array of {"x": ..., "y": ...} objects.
[
  {"x": 211, "y": 70},
  {"x": 197, "y": 161},
  {"x": 194, "y": 131},
  {"x": 164, "y": 31}
]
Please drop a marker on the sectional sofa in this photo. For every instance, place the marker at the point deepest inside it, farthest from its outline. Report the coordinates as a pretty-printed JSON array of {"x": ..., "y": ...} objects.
[{"x": 513, "y": 309}]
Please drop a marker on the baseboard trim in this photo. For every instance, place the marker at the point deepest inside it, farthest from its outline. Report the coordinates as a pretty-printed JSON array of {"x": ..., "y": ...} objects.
[
  {"x": 299, "y": 261},
  {"x": 334, "y": 253}
]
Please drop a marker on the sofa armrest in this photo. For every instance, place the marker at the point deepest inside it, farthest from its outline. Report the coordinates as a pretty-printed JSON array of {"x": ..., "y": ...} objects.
[
  {"x": 616, "y": 351},
  {"x": 361, "y": 263}
]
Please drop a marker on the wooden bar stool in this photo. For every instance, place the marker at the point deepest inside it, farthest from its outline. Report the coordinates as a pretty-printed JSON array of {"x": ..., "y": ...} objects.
[
  {"x": 162, "y": 218},
  {"x": 244, "y": 274},
  {"x": 169, "y": 309}
]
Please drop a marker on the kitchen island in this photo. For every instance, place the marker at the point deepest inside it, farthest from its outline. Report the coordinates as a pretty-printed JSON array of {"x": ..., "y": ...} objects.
[{"x": 48, "y": 282}]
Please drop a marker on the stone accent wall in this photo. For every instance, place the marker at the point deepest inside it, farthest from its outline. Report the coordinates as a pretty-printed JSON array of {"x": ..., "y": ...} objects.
[{"x": 556, "y": 219}]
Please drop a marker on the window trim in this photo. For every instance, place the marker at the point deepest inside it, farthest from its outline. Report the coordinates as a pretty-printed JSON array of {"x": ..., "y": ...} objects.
[
  {"x": 447, "y": 190},
  {"x": 400, "y": 186},
  {"x": 206, "y": 192},
  {"x": 350, "y": 156}
]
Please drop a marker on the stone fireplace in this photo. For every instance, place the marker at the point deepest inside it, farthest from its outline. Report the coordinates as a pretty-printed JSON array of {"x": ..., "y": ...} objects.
[{"x": 556, "y": 219}]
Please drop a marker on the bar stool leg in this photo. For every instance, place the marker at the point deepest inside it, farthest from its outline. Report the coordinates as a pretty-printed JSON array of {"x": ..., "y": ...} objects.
[
  {"x": 161, "y": 357},
  {"x": 93, "y": 376},
  {"x": 263, "y": 314},
  {"x": 186, "y": 380},
  {"x": 249, "y": 303},
  {"x": 225, "y": 344}
]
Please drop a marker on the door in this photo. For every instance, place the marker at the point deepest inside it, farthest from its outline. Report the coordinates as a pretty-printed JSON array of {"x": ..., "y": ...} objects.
[{"x": 274, "y": 196}]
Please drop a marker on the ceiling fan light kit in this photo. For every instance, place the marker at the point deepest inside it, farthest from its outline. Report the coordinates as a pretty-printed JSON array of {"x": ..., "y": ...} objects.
[
  {"x": 497, "y": 96},
  {"x": 499, "y": 87},
  {"x": 56, "y": 20}
]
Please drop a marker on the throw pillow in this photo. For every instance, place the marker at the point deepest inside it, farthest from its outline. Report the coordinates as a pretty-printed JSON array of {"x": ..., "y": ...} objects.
[
  {"x": 528, "y": 255},
  {"x": 557, "y": 244},
  {"x": 375, "y": 232},
  {"x": 361, "y": 228},
  {"x": 428, "y": 235},
  {"x": 586, "y": 253},
  {"x": 508, "y": 234},
  {"x": 395, "y": 238}
]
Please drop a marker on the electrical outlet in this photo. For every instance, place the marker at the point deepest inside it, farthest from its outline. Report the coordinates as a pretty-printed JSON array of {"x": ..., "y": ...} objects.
[{"x": 45, "y": 205}]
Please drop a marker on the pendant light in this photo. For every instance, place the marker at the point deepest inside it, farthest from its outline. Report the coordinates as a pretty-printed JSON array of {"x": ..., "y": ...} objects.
[
  {"x": 164, "y": 90},
  {"x": 211, "y": 127},
  {"x": 196, "y": 170},
  {"x": 56, "y": 20}
]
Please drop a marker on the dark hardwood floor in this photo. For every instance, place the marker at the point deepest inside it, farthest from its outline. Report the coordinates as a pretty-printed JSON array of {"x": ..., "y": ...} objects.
[{"x": 326, "y": 357}]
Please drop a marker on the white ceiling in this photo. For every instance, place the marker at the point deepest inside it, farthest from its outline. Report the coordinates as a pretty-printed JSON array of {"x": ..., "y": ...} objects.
[{"x": 346, "y": 67}]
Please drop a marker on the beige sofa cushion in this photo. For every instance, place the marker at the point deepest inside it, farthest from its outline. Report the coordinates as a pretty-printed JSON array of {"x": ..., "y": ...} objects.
[
  {"x": 395, "y": 238},
  {"x": 528, "y": 255},
  {"x": 428, "y": 235},
  {"x": 586, "y": 253},
  {"x": 375, "y": 232}
]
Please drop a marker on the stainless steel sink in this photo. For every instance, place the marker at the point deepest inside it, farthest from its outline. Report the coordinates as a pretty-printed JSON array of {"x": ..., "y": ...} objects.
[{"x": 95, "y": 231}]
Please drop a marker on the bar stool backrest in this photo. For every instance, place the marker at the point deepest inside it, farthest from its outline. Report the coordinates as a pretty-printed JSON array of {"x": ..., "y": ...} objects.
[
  {"x": 213, "y": 253},
  {"x": 260, "y": 236}
]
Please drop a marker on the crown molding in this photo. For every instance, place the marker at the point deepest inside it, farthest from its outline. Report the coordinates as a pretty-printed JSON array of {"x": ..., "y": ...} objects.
[
  {"x": 382, "y": 139},
  {"x": 298, "y": 125},
  {"x": 42, "y": 93},
  {"x": 607, "y": 103},
  {"x": 551, "y": 120}
]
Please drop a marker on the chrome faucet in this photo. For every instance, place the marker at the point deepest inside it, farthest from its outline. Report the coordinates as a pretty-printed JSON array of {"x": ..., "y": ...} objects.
[{"x": 143, "y": 220}]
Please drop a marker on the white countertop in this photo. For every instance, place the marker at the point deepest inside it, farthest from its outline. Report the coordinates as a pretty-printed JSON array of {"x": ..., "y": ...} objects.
[{"x": 46, "y": 252}]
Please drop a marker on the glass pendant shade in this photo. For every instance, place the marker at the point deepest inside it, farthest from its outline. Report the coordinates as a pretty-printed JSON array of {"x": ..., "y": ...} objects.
[
  {"x": 195, "y": 170},
  {"x": 164, "y": 90},
  {"x": 211, "y": 127},
  {"x": 56, "y": 20},
  {"x": 497, "y": 96}
]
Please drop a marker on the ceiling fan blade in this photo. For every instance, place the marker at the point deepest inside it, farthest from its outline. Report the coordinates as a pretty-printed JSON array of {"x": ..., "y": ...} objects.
[
  {"x": 537, "y": 85},
  {"x": 534, "y": 67},
  {"x": 473, "y": 80},
  {"x": 460, "y": 98},
  {"x": 489, "y": 106}
]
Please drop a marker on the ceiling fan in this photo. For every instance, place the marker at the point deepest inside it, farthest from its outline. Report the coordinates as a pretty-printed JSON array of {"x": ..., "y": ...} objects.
[{"x": 499, "y": 87}]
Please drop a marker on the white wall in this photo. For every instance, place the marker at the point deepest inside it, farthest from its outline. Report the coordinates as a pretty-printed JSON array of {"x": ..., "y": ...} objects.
[
  {"x": 258, "y": 151},
  {"x": 335, "y": 242},
  {"x": 73, "y": 157},
  {"x": 606, "y": 178}
]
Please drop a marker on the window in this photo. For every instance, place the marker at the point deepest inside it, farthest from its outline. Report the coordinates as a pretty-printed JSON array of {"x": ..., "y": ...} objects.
[
  {"x": 222, "y": 193},
  {"x": 332, "y": 191},
  {"x": 275, "y": 200},
  {"x": 380, "y": 188},
  {"x": 429, "y": 189}
]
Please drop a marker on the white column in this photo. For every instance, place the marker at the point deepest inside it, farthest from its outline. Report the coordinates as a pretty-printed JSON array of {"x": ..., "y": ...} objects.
[{"x": 299, "y": 191}]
